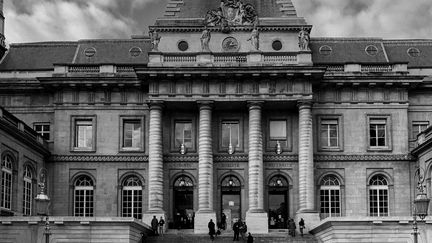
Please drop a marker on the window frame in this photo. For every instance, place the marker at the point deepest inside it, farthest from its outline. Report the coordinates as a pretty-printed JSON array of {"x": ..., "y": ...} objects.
[
  {"x": 418, "y": 123},
  {"x": 329, "y": 189},
  {"x": 28, "y": 190},
  {"x": 378, "y": 188},
  {"x": 133, "y": 189},
  {"x": 270, "y": 143},
  {"x": 43, "y": 132},
  {"x": 388, "y": 133},
  {"x": 122, "y": 121},
  {"x": 73, "y": 134},
  {"x": 7, "y": 186},
  {"x": 85, "y": 189},
  {"x": 339, "y": 124},
  {"x": 183, "y": 119},
  {"x": 239, "y": 120}
]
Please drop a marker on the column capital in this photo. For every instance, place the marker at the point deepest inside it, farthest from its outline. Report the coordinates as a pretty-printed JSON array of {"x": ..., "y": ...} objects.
[
  {"x": 155, "y": 104},
  {"x": 255, "y": 104},
  {"x": 304, "y": 104},
  {"x": 205, "y": 104}
]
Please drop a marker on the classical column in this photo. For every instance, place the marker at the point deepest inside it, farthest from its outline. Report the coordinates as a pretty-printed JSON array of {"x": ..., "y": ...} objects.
[
  {"x": 155, "y": 164},
  {"x": 256, "y": 217},
  {"x": 306, "y": 166},
  {"x": 205, "y": 169}
]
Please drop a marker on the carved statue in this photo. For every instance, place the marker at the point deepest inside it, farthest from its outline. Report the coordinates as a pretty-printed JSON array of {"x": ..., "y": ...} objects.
[
  {"x": 155, "y": 39},
  {"x": 254, "y": 38},
  {"x": 205, "y": 39},
  {"x": 304, "y": 39}
]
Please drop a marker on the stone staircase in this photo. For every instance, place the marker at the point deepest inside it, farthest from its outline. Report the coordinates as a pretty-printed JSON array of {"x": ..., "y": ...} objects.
[{"x": 189, "y": 237}]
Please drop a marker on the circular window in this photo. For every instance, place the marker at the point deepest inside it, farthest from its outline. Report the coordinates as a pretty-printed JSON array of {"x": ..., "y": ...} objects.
[
  {"x": 277, "y": 45},
  {"x": 183, "y": 45},
  {"x": 371, "y": 50},
  {"x": 413, "y": 52},
  {"x": 89, "y": 52},
  {"x": 325, "y": 50},
  {"x": 135, "y": 51}
]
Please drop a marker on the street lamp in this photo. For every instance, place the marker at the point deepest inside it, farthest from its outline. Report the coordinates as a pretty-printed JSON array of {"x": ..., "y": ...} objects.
[
  {"x": 421, "y": 202},
  {"x": 42, "y": 203}
]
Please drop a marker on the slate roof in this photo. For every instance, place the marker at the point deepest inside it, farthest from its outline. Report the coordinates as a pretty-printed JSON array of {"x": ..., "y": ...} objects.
[{"x": 42, "y": 55}]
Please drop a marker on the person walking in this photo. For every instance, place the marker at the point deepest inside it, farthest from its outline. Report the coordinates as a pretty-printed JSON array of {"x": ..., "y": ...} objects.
[
  {"x": 291, "y": 227},
  {"x": 236, "y": 228},
  {"x": 212, "y": 231},
  {"x": 301, "y": 226},
  {"x": 161, "y": 226},
  {"x": 154, "y": 225}
]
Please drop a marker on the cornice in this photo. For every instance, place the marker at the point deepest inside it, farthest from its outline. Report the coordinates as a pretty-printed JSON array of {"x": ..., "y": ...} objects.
[
  {"x": 364, "y": 157},
  {"x": 99, "y": 158}
]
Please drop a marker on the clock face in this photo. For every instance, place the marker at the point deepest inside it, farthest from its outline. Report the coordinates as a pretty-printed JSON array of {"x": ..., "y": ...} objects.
[{"x": 230, "y": 44}]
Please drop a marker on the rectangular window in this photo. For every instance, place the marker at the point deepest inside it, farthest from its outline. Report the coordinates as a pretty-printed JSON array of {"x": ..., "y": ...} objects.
[
  {"x": 83, "y": 206},
  {"x": 183, "y": 134},
  {"x": 418, "y": 127},
  {"x": 27, "y": 197},
  {"x": 83, "y": 134},
  {"x": 230, "y": 134},
  {"x": 330, "y": 202},
  {"x": 132, "y": 134},
  {"x": 278, "y": 130},
  {"x": 329, "y": 133},
  {"x": 6, "y": 189},
  {"x": 378, "y": 202},
  {"x": 378, "y": 132},
  {"x": 42, "y": 129}
]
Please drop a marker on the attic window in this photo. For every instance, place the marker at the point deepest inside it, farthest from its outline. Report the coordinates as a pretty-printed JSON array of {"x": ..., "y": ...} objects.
[
  {"x": 371, "y": 50},
  {"x": 89, "y": 52},
  {"x": 413, "y": 52},
  {"x": 135, "y": 51},
  {"x": 325, "y": 50}
]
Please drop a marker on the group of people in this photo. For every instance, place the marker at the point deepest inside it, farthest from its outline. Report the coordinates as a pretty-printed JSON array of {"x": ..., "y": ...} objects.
[
  {"x": 158, "y": 226},
  {"x": 239, "y": 228},
  {"x": 292, "y": 227}
]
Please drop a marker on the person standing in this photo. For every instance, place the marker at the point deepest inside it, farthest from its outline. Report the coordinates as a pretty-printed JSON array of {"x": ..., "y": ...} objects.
[
  {"x": 291, "y": 227},
  {"x": 161, "y": 225},
  {"x": 211, "y": 227},
  {"x": 154, "y": 225},
  {"x": 236, "y": 228},
  {"x": 223, "y": 221},
  {"x": 250, "y": 238},
  {"x": 301, "y": 226}
]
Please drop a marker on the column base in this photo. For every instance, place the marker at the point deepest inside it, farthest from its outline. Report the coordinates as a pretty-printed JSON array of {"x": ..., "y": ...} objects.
[
  {"x": 311, "y": 219},
  {"x": 257, "y": 222},
  {"x": 148, "y": 217},
  {"x": 201, "y": 222}
]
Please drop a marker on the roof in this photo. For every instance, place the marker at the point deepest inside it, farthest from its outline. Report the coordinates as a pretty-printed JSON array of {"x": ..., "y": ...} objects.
[
  {"x": 353, "y": 50},
  {"x": 43, "y": 55}
]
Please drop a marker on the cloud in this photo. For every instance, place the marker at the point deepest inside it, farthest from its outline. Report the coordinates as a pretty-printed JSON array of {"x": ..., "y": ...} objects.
[{"x": 51, "y": 20}]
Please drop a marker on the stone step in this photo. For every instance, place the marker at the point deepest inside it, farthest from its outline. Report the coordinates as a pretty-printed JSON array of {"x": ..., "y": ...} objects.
[{"x": 193, "y": 238}]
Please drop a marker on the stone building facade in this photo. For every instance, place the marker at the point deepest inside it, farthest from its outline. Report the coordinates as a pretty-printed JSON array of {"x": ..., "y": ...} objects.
[{"x": 227, "y": 108}]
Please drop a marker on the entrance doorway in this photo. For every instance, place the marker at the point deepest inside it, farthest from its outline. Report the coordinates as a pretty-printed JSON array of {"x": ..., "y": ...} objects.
[
  {"x": 231, "y": 199},
  {"x": 278, "y": 202},
  {"x": 183, "y": 203}
]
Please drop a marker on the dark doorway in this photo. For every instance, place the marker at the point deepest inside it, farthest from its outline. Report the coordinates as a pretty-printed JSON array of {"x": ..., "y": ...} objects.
[
  {"x": 183, "y": 203},
  {"x": 278, "y": 203},
  {"x": 231, "y": 197}
]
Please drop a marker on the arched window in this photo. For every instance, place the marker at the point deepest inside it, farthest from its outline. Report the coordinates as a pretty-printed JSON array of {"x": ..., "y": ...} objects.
[
  {"x": 132, "y": 197},
  {"x": 330, "y": 197},
  {"x": 27, "y": 191},
  {"x": 83, "y": 196},
  {"x": 378, "y": 196},
  {"x": 6, "y": 183}
]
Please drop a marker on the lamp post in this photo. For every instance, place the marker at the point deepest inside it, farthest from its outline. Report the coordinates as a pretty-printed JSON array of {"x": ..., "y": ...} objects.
[
  {"x": 421, "y": 202},
  {"x": 42, "y": 203}
]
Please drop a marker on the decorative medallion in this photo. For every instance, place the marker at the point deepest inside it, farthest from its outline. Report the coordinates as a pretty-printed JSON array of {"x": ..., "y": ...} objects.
[
  {"x": 231, "y": 13},
  {"x": 230, "y": 44}
]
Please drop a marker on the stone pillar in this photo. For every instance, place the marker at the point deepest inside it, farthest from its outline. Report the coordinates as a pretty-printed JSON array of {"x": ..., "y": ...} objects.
[
  {"x": 256, "y": 217},
  {"x": 155, "y": 165},
  {"x": 205, "y": 170},
  {"x": 306, "y": 167}
]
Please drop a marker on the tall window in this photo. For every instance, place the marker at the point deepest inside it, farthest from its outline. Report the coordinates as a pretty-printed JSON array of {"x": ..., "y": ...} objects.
[
  {"x": 6, "y": 183},
  {"x": 378, "y": 132},
  {"x": 329, "y": 133},
  {"x": 378, "y": 196},
  {"x": 83, "y": 134},
  {"x": 42, "y": 129},
  {"x": 27, "y": 191},
  {"x": 277, "y": 133},
  {"x": 132, "y": 197},
  {"x": 132, "y": 134},
  {"x": 84, "y": 197},
  {"x": 330, "y": 197},
  {"x": 418, "y": 127},
  {"x": 183, "y": 134},
  {"x": 230, "y": 134}
]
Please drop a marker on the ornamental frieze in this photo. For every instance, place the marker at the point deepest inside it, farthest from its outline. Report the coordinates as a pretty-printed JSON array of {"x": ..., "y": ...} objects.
[
  {"x": 364, "y": 157},
  {"x": 99, "y": 158}
]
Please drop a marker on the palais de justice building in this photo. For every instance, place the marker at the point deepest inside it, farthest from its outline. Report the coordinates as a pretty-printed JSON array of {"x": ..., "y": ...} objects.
[{"x": 225, "y": 107}]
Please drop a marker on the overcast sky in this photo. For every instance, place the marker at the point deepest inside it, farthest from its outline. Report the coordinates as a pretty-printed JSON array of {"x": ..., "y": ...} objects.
[{"x": 55, "y": 20}]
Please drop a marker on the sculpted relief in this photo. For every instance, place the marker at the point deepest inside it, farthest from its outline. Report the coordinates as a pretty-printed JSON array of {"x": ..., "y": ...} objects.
[{"x": 231, "y": 13}]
